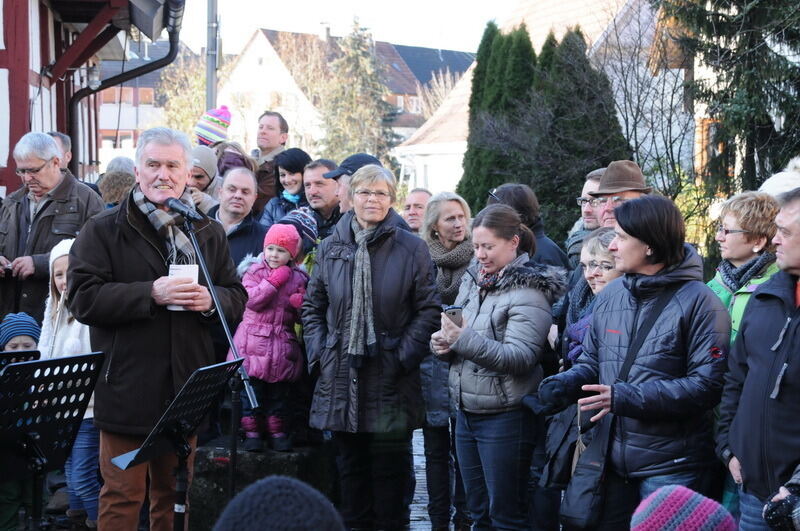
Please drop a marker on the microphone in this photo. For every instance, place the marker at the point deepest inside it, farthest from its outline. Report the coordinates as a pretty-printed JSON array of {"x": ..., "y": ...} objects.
[{"x": 185, "y": 210}]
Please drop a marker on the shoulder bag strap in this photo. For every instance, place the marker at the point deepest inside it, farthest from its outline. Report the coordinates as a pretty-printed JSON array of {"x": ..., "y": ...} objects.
[{"x": 641, "y": 334}]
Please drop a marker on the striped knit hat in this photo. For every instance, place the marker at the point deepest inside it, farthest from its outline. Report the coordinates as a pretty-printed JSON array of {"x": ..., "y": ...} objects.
[
  {"x": 675, "y": 507},
  {"x": 18, "y": 324},
  {"x": 213, "y": 126}
]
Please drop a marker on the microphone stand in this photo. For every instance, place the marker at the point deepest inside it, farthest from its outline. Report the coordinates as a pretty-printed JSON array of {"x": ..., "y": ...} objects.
[{"x": 241, "y": 380}]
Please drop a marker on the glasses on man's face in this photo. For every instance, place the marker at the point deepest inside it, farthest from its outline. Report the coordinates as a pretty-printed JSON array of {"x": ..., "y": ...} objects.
[
  {"x": 377, "y": 194},
  {"x": 32, "y": 171},
  {"x": 583, "y": 200},
  {"x": 604, "y": 267},
  {"x": 614, "y": 200},
  {"x": 727, "y": 232}
]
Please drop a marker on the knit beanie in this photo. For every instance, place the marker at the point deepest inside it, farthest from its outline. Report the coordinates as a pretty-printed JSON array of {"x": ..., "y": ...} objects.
[
  {"x": 61, "y": 249},
  {"x": 676, "y": 507},
  {"x": 18, "y": 324},
  {"x": 303, "y": 220},
  {"x": 213, "y": 126},
  {"x": 204, "y": 158},
  {"x": 285, "y": 236},
  {"x": 279, "y": 503}
]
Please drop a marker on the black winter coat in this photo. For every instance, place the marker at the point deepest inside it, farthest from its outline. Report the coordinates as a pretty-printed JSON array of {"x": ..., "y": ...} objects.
[
  {"x": 150, "y": 351},
  {"x": 247, "y": 238},
  {"x": 547, "y": 251},
  {"x": 757, "y": 425},
  {"x": 663, "y": 412},
  {"x": 384, "y": 394}
]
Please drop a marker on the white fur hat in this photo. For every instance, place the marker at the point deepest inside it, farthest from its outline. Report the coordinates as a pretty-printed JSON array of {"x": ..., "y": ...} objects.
[{"x": 784, "y": 181}]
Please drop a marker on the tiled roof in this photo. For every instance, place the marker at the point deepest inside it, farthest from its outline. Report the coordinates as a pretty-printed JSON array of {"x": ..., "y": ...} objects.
[
  {"x": 398, "y": 77},
  {"x": 423, "y": 62}
]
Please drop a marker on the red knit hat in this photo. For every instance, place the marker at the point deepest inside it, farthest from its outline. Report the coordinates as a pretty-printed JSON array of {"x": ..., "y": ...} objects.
[
  {"x": 675, "y": 507},
  {"x": 285, "y": 236}
]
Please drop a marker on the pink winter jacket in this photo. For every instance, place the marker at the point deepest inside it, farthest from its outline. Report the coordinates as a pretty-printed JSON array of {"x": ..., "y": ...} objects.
[{"x": 266, "y": 338}]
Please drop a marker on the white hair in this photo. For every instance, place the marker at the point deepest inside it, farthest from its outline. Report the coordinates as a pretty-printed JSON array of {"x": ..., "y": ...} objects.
[
  {"x": 165, "y": 137},
  {"x": 37, "y": 145}
]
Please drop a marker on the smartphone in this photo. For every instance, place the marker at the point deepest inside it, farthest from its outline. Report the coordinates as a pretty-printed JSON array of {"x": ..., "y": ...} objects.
[{"x": 454, "y": 314}]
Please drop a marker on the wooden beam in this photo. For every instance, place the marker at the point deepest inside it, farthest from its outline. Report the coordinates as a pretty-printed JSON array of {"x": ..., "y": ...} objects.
[{"x": 84, "y": 40}]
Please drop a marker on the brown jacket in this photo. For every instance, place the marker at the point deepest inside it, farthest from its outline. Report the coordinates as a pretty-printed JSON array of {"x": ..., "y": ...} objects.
[
  {"x": 71, "y": 204},
  {"x": 267, "y": 178},
  {"x": 150, "y": 351}
]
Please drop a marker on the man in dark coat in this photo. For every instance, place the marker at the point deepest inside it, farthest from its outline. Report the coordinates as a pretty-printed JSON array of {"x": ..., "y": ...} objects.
[
  {"x": 119, "y": 285},
  {"x": 235, "y": 213},
  {"x": 758, "y": 429},
  {"x": 51, "y": 206}
]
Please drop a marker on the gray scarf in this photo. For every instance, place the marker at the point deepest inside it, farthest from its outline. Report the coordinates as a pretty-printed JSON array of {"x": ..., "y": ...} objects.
[
  {"x": 362, "y": 330},
  {"x": 736, "y": 277},
  {"x": 166, "y": 223},
  {"x": 451, "y": 266}
]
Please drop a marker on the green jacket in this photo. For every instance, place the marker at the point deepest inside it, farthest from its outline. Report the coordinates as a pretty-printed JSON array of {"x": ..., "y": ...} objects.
[{"x": 736, "y": 302}]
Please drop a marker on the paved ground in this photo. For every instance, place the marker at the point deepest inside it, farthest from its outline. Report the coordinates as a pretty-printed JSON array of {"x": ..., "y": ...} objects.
[{"x": 419, "y": 511}]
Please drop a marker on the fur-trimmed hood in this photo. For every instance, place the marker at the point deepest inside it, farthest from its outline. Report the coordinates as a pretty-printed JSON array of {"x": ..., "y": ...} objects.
[
  {"x": 549, "y": 280},
  {"x": 246, "y": 262}
]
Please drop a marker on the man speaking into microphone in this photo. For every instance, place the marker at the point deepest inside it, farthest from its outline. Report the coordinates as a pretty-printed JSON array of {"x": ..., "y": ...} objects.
[{"x": 133, "y": 278}]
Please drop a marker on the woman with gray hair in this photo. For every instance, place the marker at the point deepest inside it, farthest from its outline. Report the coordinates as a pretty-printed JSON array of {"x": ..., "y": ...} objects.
[
  {"x": 370, "y": 309},
  {"x": 446, "y": 231}
]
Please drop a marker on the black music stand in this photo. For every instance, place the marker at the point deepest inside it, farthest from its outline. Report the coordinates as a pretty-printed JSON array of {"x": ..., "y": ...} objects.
[
  {"x": 18, "y": 356},
  {"x": 178, "y": 423},
  {"x": 239, "y": 380},
  {"x": 41, "y": 409}
]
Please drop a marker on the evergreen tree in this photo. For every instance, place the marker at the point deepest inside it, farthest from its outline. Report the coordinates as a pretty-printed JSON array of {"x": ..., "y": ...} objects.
[
  {"x": 751, "y": 49},
  {"x": 353, "y": 111},
  {"x": 471, "y": 185},
  {"x": 584, "y": 133}
]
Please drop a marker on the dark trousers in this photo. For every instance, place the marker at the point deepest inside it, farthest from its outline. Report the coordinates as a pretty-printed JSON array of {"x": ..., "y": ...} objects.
[
  {"x": 437, "y": 474},
  {"x": 372, "y": 475},
  {"x": 545, "y": 502},
  {"x": 494, "y": 453}
]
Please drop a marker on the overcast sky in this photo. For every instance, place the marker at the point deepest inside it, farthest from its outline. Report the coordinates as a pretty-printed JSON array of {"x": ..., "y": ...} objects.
[{"x": 448, "y": 24}]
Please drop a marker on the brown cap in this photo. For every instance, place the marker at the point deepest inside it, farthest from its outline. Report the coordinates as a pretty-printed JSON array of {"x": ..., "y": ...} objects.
[{"x": 622, "y": 176}]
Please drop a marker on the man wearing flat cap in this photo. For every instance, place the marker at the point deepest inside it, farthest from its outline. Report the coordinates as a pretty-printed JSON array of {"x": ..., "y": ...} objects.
[
  {"x": 623, "y": 180},
  {"x": 347, "y": 168}
]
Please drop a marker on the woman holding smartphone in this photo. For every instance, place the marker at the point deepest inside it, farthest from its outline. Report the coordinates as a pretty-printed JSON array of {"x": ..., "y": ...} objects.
[{"x": 494, "y": 357}]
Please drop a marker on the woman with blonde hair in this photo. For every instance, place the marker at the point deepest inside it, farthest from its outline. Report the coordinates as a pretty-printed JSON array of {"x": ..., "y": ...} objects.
[{"x": 445, "y": 229}]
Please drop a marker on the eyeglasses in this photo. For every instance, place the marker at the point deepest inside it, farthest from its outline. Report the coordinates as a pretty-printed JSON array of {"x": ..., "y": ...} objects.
[
  {"x": 32, "y": 171},
  {"x": 727, "y": 232},
  {"x": 614, "y": 200},
  {"x": 605, "y": 267},
  {"x": 366, "y": 194},
  {"x": 583, "y": 200}
]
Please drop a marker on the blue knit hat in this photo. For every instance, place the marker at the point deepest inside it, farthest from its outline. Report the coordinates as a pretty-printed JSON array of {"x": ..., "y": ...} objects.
[{"x": 18, "y": 324}]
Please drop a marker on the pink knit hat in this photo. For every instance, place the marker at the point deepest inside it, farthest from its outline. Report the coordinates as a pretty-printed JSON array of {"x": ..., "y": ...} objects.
[
  {"x": 213, "y": 126},
  {"x": 285, "y": 236},
  {"x": 674, "y": 508}
]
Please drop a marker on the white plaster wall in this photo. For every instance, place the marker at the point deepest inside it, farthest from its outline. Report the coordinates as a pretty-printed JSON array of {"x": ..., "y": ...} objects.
[
  {"x": 5, "y": 123},
  {"x": 248, "y": 91},
  {"x": 33, "y": 27},
  {"x": 437, "y": 167},
  {"x": 42, "y": 109},
  {"x": 2, "y": 27}
]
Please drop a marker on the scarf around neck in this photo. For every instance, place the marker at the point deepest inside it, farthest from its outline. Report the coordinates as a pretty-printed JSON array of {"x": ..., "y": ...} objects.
[
  {"x": 166, "y": 223},
  {"x": 581, "y": 299},
  {"x": 362, "y": 340},
  {"x": 451, "y": 266},
  {"x": 292, "y": 198},
  {"x": 736, "y": 277}
]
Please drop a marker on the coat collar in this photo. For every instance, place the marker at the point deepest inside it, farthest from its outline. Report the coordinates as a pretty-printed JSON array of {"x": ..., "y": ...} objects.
[{"x": 782, "y": 286}]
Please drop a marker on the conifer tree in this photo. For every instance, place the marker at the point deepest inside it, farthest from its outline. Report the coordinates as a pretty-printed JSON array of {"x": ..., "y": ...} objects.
[
  {"x": 353, "y": 110},
  {"x": 752, "y": 50}
]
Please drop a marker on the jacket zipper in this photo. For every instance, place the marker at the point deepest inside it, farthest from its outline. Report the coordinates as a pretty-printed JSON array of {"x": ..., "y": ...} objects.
[{"x": 773, "y": 395}]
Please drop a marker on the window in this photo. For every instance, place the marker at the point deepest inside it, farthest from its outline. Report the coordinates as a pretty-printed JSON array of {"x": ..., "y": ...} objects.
[
  {"x": 127, "y": 95},
  {"x": 413, "y": 105},
  {"x": 146, "y": 96},
  {"x": 400, "y": 103},
  {"x": 111, "y": 95}
]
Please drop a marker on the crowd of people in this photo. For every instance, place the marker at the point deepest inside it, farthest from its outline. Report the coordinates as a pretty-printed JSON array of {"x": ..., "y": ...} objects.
[{"x": 361, "y": 319}]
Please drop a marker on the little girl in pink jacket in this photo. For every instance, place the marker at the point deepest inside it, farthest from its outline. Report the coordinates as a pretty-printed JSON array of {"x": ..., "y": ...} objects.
[{"x": 266, "y": 338}]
